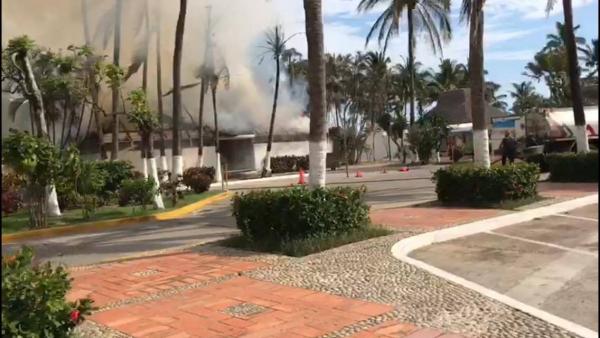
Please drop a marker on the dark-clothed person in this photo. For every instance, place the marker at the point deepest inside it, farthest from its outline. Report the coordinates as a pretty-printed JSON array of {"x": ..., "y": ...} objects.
[{"x": 508, "y": 148}]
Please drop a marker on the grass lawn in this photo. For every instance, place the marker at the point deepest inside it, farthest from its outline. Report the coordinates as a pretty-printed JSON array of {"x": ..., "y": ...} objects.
[
  {"x": 303, "y": 247},
  {"x": 20, "y": 221}
]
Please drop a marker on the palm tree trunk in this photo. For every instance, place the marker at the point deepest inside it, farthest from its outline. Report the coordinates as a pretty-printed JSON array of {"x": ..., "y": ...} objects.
[
  {"x": 574, "y": 73},
  {"x": 389, "y": 143},
  {"x": 316, "y": 88},
  {"x": 114, "y": 154},
  {"x": 480, "y": 132},
  {"x": 37, "y": 103},
  {"x": 411, "y": 65},
  {"x": 177, "y": 160},
  {"x": 218, "y": 175},
  {"x": 163, "y": 156},
  {"x": 158, "y": 201},
  {"x": 81, "y": 122},
  {"x": 267, "y": 161},
  {"x": 200, "y": 162}
]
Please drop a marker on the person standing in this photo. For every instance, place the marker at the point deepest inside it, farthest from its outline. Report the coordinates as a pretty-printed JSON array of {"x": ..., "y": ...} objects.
[{"x": 508, "y": 148}]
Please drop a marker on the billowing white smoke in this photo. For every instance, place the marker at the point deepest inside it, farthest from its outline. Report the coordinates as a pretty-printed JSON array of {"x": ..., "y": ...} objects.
[{"x": 238, "y": 31}]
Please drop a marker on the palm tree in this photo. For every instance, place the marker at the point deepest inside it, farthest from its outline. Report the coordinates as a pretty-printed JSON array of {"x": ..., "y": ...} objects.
[
  {"x": 452, "y": 75},
  {"x": 213, "y": 82},
  {"x": 429, "y": 16},
  {"x": 590, "y": 57},
  {"x": 276, "y": 42},
  {"x": 146, "y": 122},
  {"x": 114, "y": 154},
  {"x": 316, "y": 88},
  {"x": 177, "y": 160},
  {"x": 94, "y": 87},
  {"x": 526, "y": 100},
  {"x": 574, "y": 75},
  {"x": 491, "y": 96},
  {"x": 472, "y": 12},
  {"x": 378, "y": 77},
  {"x": 558, "y": 41},
  {"x": 291, "y": 57},
  {"x": 163, "y": 154}
]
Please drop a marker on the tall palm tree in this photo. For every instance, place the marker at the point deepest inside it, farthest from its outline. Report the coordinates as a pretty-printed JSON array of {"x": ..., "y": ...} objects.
[
  {"x": 451, "y": 75},
  {"x": 590, "y": 57},
  {"x": 472, "y": 12},
  {"x": 163, "y": 154},
  {"x": 559, "y": 40},
  {"x": 275, "y": 47},
  {"x": 94, "y": 87},
  {"x": 378, "y": 77},
  {"x": 204, "y": 75},
  {"x": 316, "y": 88},
  {"x": 429, "y": 16},
  {"x": 177, "y": 160},
  {"x": 114, "y": 154},
  {"x": 525, "y": 100},
  {"x": 494, "y": 99},
  {"x": 574, "y": 76},
  {"x": 291, "y": 59},
  {"x": 217, "y": 75}
]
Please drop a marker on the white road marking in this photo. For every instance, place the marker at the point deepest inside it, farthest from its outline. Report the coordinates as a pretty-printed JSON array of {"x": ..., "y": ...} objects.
[
  {"x": 556, "y": 246},
  {"x": 578, "y": 217}
]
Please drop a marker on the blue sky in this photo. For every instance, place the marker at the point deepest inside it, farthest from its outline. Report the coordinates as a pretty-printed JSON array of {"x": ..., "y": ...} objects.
[{"x": 515, "y": 30}]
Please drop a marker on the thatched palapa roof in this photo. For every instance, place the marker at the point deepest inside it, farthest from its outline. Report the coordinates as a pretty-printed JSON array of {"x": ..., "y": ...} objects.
[{"x": 455, "y": 107}]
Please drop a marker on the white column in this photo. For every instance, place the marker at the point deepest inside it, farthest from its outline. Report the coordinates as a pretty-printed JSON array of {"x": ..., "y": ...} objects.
[
  {"x": 218, "y": 174},
  {"x": 177, "y": 166}
]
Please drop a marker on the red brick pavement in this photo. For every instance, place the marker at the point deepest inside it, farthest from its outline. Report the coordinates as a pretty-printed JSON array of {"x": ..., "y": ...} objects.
[
  {"x": 207, "y": 310},
  {"x": 108, "y": 283},
  {"x": 566, "y": 190},
  {"x": 429, "y": 217}
]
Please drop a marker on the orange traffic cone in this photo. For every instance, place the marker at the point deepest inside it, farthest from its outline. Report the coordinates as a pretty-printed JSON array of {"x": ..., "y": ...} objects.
[
  {"x": 301, "y": 178},
  {"x": 359, "y": 174},
  {"x": 404, "y": 169}
]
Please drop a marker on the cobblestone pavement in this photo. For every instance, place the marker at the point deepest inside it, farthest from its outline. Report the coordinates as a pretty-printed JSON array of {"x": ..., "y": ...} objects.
[{"x": 358, "y": 290}]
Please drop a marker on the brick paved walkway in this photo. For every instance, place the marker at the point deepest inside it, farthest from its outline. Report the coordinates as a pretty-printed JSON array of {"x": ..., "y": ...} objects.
[
  {"x": 429, "y": 217},
  {"x": 200, "y": 295}
]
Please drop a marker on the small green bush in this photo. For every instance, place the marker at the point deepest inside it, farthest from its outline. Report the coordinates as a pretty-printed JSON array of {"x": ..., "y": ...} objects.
[
  {"x": 286, "y": 164},
  {"x": 33, "y": 299},
  {"x": 571, "y": 167},
  {"x": 472, "y": 185},
  {"x": 116, "y": 173},
  {"x": 137, "y": 192},
  {"x": 297, "y": 213},
  {"x": 540, "y": 160}
]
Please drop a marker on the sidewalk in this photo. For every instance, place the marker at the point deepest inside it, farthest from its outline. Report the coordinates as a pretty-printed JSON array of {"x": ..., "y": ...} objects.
[{"x": 358, "y": 290}]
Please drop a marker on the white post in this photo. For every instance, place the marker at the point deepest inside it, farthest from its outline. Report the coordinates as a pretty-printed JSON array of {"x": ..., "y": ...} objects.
[
  {"x": 218, "y": 174},
  {"x": 145, "y": 167},
  {"x": 177, "y": 166}
]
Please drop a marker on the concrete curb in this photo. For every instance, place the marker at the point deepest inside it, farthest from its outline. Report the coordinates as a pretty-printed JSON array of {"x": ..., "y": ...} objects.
[
  {"x": 255, "y": 180},
  {"x": 403, "y": 248},
  {"x": 113, "y": 223}
]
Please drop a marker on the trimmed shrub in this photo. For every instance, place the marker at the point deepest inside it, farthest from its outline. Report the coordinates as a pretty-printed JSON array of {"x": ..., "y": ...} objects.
[
  {"x": 137, "y": 192},
  {"x": 33, "y": 299},
  {"x": 116, "y": 173},
  {"x": 473, "y": 185},
  {"x": 297, "y": 213},
  {"x": 286, "y": 164},
  {"x": 196, "y": 180},
  {"x": 540, "y": 160},
  {"x": 571, "y": 167}
]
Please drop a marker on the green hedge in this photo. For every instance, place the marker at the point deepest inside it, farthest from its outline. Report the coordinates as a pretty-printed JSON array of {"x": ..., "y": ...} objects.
[
  {"x": 540, "y": 160},
  {"x": 571, "y": 167},
  {"x": 286, "y": 164},
  {"x": 473, "y": 185},
  {"x": 299, "y": 212}
]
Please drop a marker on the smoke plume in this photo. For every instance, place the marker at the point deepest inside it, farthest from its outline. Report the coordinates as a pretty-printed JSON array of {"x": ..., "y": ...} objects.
[{"x": 237, "y": 30}]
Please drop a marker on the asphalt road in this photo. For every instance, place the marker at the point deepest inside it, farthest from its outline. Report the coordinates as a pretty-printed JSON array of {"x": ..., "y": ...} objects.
[
  {"x": 550, "y": 263},
  {"x": 392, "y": 189}
]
